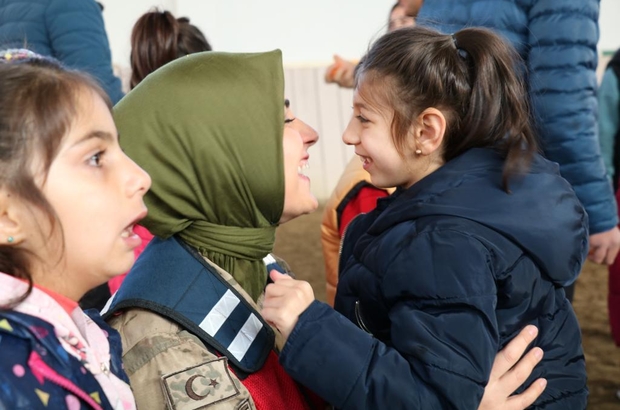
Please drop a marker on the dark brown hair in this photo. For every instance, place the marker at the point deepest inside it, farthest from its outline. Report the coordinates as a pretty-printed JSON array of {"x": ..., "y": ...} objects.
[
  {"x": 39, "y": 102},
  {"x": 472, "y": 76},
  {"x": 158, "y": 38}
]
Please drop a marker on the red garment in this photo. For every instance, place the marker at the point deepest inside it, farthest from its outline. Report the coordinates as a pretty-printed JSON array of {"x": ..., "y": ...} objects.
[
  {"x": 613, "y": 297},
  {"x": 272, "y": 388},
  {"x": 146, "y": 236},
  {"x": 67, "y": 304},
  {"x": 364, "y": 201}
]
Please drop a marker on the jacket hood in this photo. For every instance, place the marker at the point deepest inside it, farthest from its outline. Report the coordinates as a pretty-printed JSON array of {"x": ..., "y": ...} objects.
[{"x": 541, "y": 214}]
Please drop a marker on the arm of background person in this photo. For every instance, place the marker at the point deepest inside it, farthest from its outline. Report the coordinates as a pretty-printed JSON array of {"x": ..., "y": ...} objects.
[
  {"x": 79, "y": 40},
  {"x": 609, "y": 110},
  {"x": 562, "y": 84},
  {"x": 562, "y": 63},
  {"x": 341, "y": 72}
]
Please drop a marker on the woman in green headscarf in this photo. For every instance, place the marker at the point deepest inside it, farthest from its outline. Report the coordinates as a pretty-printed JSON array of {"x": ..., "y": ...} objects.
[{"x": 224, "y": 151}]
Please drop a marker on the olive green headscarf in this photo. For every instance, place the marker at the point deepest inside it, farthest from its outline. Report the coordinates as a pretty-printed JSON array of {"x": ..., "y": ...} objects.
[{"x": 208, "y": 129}]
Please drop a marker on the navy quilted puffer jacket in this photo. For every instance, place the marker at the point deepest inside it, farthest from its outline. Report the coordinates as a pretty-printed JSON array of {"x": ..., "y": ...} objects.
[
  {"x": 72, "y": 31},
  {"x": 437, "y": 279},
  {"x": 557, "y": 39}
]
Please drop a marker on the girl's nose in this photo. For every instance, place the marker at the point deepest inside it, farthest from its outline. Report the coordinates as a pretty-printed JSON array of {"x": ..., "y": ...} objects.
[
  {"x": 139, "y": 180},
  {"x": 349, "y": 136}
]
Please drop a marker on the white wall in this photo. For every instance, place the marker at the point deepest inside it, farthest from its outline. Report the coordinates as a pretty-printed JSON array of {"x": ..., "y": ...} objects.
[
  {"x": 307, "y": 32},
  {"x": 610, "y": 29}
]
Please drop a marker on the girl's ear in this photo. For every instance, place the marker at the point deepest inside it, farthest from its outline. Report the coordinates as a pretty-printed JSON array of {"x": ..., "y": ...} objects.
[
  {"x": 430, "y": 128},
  {"x": 12, "y": 215}
]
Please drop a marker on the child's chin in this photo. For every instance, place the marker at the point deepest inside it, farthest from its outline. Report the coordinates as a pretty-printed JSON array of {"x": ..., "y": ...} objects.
[{"x": 124, "y": 267}]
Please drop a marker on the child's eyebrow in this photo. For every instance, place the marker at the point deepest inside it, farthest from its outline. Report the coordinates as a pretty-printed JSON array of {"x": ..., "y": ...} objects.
[
  {"x": 360, "y": 105},
  {"x": 287, "y": 103},
  {"x": 96, "y": 134}
]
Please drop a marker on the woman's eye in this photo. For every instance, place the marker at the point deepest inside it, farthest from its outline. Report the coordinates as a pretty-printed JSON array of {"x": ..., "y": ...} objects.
[
  {"x": 95, "y": 160},
  {"x": 362, "y": 119},
  {"x": 289, "y": 120}
]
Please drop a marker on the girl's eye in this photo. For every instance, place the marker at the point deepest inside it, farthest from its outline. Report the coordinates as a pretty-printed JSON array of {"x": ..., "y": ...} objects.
[
  {"x": 95, "y": 160},
  {"x": 289, "y": 120},
  {"x": 362, "y": 119}
]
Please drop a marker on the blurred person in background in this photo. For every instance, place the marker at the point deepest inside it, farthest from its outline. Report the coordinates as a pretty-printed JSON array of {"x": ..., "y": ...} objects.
[
  {"x": 609, "y": 139},
  {"x": 73, "y": 32},
  {"x": 341, "y": 71},
  {"x": 157, "y": 38}
]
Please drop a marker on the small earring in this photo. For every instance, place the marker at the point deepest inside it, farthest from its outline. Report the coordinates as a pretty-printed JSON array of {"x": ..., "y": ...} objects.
[
  {"x": 10, "y": 239},
  {"x": 418, "y": 151}
]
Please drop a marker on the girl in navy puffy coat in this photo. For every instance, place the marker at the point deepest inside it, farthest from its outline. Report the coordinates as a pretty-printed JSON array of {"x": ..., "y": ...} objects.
[{"x": 476, "y": 243}]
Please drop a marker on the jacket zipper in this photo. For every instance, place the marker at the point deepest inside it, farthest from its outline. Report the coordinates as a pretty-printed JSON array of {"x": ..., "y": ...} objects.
[
  {"x": 358, "y": 313},
  {"x": 38, "y": 365},
  {"x": 358, "y": 317}
]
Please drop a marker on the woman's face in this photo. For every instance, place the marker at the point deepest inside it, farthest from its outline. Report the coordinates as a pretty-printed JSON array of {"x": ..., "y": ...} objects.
[{"x": 298, "y": 137}]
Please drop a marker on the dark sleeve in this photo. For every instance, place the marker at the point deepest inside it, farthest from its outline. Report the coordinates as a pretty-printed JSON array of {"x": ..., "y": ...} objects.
[
  {"x": 78, "y": 39},
  {"x": 562, "y": 67},
  {"x": 441, "y": 301}
]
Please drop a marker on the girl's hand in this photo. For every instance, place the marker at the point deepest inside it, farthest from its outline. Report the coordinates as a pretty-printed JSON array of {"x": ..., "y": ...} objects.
[{"x": 285, "y": 299}]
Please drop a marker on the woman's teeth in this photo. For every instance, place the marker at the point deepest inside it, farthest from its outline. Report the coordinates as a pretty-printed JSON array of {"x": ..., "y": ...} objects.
[{"x": 302, "y": 168}]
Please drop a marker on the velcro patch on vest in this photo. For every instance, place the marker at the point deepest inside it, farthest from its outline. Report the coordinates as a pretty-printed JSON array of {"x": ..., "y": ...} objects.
[{"x": 199, "y": 386}]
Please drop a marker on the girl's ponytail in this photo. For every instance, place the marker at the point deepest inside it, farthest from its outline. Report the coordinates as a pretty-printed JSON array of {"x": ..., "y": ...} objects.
[{"x": 497, "y": 111}]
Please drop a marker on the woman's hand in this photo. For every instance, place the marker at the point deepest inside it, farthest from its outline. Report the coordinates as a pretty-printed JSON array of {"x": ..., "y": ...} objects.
[
  {"x": 506, "y": 377},
  {"x": 285, "y": 299}
]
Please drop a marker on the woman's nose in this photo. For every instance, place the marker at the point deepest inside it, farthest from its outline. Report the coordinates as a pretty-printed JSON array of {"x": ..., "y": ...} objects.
[{"x": 308, "y": 134}]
